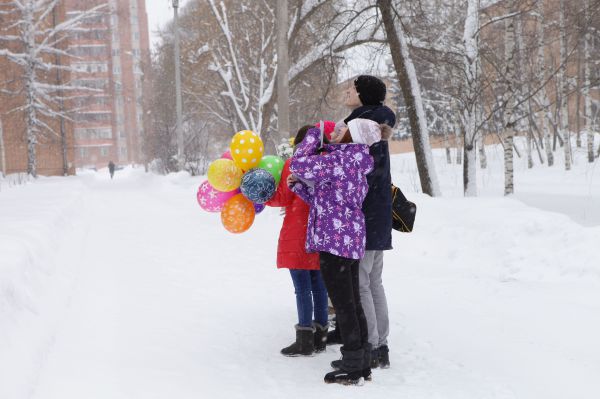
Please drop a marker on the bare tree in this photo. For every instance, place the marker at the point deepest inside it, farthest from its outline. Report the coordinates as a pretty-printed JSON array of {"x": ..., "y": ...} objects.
[
  {"x": 38, "y": 41},
  {"x": 411, "y": 91}
]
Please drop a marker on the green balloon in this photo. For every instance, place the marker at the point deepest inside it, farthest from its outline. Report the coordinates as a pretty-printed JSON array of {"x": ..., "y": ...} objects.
[{"x": 272, "y": 164}]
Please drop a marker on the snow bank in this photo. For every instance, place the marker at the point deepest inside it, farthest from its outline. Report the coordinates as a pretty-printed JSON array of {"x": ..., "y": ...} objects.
[{"x": 37, "y": 221}]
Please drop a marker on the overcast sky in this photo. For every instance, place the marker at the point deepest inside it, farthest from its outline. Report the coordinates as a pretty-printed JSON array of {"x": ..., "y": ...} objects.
[{"x": 159, "y": 13}]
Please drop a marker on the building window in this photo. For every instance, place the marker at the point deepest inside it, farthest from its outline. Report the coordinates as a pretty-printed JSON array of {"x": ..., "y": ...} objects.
[
  {"x": 123, "y": 151},
  {"x": 100, "y": 116},
  {"x": 122, "y": 134},
  {"x": 93, "y": 133},
  {"x": 100, "y": 84},
  {"x": 104, "y": 151},
  {"x": 82, "y": 152},
  {"x": 88, "y": 50}
]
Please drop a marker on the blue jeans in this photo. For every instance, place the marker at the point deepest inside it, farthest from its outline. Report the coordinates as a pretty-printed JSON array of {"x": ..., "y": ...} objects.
[{"x": 311, "y": 296}]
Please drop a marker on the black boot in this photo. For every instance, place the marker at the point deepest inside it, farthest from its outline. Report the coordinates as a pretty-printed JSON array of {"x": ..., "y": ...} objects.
[
  {"x": 374, "y": 358},
  {"x": 367, "y": 361},
  {"x": 320, "y": 337},
  {"x": 337, "y": 365},
  {"x": 370, "y": 361},
  {"x": 351, "y": 371},
  {"x": 304, "y": 345},
  {"x": 384, "y": 357}
]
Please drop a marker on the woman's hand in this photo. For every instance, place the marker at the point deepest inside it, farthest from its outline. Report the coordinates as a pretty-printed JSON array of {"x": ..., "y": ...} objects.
[
  {"x": 291, "y": 179},
  {"x": 336, "y": 137}
]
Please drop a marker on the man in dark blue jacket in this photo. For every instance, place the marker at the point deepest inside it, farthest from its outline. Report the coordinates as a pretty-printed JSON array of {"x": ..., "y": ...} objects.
[{"x": 366, "y": 96}]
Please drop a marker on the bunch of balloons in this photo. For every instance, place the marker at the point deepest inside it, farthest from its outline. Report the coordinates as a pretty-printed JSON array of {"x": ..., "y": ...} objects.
[{"x": 240, "y": 182}]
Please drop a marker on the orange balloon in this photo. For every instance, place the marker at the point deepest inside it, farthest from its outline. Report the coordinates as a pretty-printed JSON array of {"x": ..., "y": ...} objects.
[{"x": 238, "y": 214}]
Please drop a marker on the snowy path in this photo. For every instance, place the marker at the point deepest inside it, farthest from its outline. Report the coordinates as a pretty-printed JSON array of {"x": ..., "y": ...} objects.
[{"x": 167, "y": 304}]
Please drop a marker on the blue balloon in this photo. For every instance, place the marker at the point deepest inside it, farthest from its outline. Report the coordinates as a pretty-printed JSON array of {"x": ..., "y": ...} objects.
[{"x": 258, "y": 185}]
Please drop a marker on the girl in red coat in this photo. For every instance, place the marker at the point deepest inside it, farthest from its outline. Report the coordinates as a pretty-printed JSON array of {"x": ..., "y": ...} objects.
[{"x": 311, "y": 295}]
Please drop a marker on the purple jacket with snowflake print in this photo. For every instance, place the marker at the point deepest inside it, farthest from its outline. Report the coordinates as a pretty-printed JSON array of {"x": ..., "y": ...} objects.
[{"x": 334, "y": 185}]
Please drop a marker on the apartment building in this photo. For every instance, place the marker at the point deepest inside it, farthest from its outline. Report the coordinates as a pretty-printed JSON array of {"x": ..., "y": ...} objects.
[{"x": 111, "y": 53}]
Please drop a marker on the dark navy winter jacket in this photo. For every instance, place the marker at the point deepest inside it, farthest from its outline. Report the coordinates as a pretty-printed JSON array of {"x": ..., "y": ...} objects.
[{"x": 377, "y": 205}]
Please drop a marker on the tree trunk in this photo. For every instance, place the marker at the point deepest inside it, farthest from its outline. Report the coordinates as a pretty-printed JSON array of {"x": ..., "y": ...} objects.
[
  {"x": 447, "y": 145},
  {"x": 562, "y": 78},
  {"x": 544, "y": 115},
  {"x": 411, "y": 92},
  {"x": 2, "y": 151},
  {"x": 471, "y": 64},
  {"x": 482, "y": 154},
  {"x": 529, "y": 150},
  {"x": 508, "y": 165},
  {"x": 510, "y": 102},
  {"x": 29, "y": 89},
  {"x": 578, "y": 99},
  {"x": 63, "y": 134},
  {"x": 283, "y": 66},
  {"x": 469, "y": 171},
  {"x": 586, "y": 85},
  {"x": 459, "y": 133}
]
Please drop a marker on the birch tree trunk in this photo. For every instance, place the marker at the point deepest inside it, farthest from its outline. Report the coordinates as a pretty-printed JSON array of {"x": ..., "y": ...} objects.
[
  {"x": 586, "y": 85},
  {"x": 562, "y": 78},
  {"x": 29, "y": 89},
  {"x": 508, "y": 164},
  {"x": 520, "y": 87},
  {"x": 510, "y": 102},
  {"x": 471, "y": 60},
  {"x": 411, "y": 92},
  {"x": 447, "y": 145},
  {"x": 481, "y": 148},
  {"x": 542, "y": 97}
]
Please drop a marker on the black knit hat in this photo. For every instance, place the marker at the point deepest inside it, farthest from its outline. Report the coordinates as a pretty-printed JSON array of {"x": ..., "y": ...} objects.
[{"x": 371, "y": 90}]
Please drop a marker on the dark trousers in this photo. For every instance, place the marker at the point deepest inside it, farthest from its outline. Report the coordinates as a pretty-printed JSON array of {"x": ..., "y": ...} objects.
[{"x": 341, "y": 279}]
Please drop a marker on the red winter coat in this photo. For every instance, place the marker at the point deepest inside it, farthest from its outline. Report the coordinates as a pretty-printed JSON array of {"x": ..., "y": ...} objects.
[{"x": 291, "y": 252}]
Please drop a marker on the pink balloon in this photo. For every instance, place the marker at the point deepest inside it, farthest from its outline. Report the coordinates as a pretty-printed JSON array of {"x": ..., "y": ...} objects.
[
  {"x": 227, "y": 155},
  {"x": 212, "y": 200}
]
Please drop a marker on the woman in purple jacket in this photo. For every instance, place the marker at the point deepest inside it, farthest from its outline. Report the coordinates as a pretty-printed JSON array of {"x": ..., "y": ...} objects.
[{"x": 334, "y": 185}]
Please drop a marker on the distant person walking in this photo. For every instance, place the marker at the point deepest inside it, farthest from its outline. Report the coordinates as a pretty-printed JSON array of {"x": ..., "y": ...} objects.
[{"x": 111, "y": 169}]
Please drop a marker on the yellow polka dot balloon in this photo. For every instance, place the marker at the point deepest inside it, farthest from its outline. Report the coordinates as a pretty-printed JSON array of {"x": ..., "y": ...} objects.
[
  {"x": 223, "y": 175},
  {"x": 246, "y": 149}
]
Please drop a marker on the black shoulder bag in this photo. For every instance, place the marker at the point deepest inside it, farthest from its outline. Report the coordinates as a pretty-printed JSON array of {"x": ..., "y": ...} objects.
[{"x": 403, "y": 211}]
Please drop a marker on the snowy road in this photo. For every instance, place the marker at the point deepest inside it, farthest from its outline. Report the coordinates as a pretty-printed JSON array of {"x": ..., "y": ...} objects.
[{"x": 165, "y": 304}]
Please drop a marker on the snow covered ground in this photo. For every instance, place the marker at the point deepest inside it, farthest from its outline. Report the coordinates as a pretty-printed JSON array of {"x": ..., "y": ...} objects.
[{"x": 126, "y": 289}]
